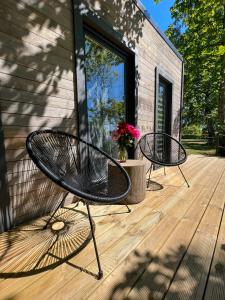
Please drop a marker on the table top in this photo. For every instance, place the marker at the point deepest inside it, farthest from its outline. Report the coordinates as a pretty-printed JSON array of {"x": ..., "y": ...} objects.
[{"x": 133, "y": 163}]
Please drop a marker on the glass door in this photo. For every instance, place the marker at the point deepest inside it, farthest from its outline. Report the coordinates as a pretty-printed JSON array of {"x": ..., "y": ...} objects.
[
  {"x": 163, "y": 107},
  {"x": 106, "y": 91},
  {"x": 163, "y": 118}
]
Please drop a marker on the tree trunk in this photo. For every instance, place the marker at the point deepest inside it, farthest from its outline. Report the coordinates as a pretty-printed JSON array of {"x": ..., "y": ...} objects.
[
  {"x": 211, "y": 132},
  {"x": 221, "y": 104},
  {"x": 221, "y": 108}
]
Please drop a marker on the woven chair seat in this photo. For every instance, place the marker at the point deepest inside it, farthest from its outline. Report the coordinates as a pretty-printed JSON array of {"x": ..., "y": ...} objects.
[
  {"x": 77, "y": 166},
  {"x": 162, "y": 149}
]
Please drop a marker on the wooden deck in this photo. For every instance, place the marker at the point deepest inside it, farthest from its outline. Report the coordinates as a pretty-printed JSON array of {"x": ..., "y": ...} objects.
[{"x": 171, "y": 246}]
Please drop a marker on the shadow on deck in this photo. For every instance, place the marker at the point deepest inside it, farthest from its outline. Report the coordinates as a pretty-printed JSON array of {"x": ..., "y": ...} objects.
[
  {"x": 29, "y": 249},
  {"x": 171, "y": 246}
]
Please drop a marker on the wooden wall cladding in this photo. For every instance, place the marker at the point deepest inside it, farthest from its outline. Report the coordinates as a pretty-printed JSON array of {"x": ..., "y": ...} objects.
[
  {"x": 36, "y": 91},
  {"x": 37, "y": 85}
]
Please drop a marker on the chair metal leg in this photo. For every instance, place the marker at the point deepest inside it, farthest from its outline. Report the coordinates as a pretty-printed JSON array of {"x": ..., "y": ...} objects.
[
  {"x": 164, "y": 171},
  {"x": 63, "y": 199},
  {"x": 128, "y": 208},
  {"x": 149, "y": 176},
  {"x": 184, "y": 176},
  {"x": 100, "y": 272}
]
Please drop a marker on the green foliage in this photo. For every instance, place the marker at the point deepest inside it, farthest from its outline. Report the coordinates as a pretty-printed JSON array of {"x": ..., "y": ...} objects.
[
  {"x": 198, "y": 33},
  {"x": 99, "y": 61},
  {"x": 193, "y": 129},
  {"x": 113, "y": 109},
  {"x": 196, "y": 146}
]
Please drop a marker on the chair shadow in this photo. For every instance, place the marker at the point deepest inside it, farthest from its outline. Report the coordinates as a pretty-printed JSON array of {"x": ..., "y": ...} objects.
[
  {"x": 78, "y": 267},
  {"x": 153, "y": 186},
  {"x": 114, "y": 213},
  {"x": 29, "y": 249}
]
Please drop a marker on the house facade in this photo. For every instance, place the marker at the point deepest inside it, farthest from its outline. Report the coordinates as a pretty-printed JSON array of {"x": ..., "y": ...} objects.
[{"x": 79, "y": 66}]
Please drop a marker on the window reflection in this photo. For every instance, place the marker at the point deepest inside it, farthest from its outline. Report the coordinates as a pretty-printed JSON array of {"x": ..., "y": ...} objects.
[
  {"x": 161, "y": 107},
  {"x": 105, "y": 83}
]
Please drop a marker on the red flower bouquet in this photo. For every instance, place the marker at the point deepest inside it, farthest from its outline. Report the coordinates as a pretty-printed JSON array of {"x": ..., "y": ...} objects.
[{"x": 125, "y": 136}]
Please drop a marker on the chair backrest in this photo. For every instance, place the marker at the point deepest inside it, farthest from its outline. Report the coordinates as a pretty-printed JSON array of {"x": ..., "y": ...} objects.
[
  {"x": 162, "y": 149},
  {"x": 78, "y": 166}
]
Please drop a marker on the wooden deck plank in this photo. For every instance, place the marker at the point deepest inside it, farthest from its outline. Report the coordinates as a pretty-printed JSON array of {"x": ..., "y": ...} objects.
[
  {"x": 195, "y": 174},
  {"x": 147, "y": 251},
  {"x": 158, "y": 276},
  {"x": 118, "y": 284},
  {"x": 100, "y": 212},
  {"x": 163, "y": 193},
  {"x": 121, "y": 224},
  {"x": 104, "y": 224},
  {"x": 129, "y": 247},
  {"x": 215, "y": 288},
  {"x": 170, "y": 201},
  {"x": 216, "y": 283},
  {"x": 191, "y": 277}
]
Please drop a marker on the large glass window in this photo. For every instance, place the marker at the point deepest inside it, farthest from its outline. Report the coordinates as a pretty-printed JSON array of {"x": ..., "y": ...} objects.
[{"x": 106, "y": 91}]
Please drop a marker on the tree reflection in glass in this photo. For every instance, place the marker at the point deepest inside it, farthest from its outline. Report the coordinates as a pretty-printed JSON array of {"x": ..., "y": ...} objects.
[{"x": 105, "y": 83}]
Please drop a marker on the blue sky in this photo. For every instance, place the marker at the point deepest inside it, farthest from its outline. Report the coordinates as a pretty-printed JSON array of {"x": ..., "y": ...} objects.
[{"x": 160, "y": 12}]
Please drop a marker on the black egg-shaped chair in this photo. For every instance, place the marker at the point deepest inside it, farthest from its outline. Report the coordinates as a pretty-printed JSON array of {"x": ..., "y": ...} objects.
[
  {"x": 80, "y": 168},
  {"x": 164, "y": 150}
]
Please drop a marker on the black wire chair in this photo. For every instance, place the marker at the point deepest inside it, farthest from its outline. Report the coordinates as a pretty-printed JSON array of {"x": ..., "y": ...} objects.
[
  {"x": 162, "y": 149},
  {"x": 81, "y": 169}
]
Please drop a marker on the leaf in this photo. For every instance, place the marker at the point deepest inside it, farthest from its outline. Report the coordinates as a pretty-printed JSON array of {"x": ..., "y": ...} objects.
[
  {"x": 221, "y": 50},
  {"x": 198, "y": 33}
]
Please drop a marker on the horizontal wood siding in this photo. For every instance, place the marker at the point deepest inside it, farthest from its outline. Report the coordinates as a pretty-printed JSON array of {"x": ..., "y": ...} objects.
[
  {"x": 36, "y": 91},
  {"x": 37, "y": 83},
  {"x": 153, "y": 52}
]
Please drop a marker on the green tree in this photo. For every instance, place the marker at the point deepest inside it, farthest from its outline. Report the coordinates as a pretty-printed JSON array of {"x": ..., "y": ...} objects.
[{"x": 198, "y": 32}]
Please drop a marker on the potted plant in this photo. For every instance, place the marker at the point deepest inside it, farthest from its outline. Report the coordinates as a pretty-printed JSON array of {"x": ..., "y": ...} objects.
[{"x": 125, "y": 135}]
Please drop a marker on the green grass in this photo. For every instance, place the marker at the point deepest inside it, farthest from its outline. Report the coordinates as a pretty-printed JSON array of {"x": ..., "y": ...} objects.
[{"x": 198, "y": 147}]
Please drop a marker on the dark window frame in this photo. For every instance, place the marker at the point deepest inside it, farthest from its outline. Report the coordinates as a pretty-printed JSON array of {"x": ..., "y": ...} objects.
[
  {"x": 6, "y": 215},
  {"x": 102, "y": 31},
  {"x": 109, "y": 45}
]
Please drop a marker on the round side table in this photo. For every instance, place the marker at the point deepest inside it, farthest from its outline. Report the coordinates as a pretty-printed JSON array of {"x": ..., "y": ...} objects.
[{"x": 136, "y": 171}]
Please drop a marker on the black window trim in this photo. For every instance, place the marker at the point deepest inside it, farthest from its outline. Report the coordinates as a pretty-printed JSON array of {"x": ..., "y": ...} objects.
[
  {"x": 103, "y": 40},
  {"x": 100, "y": 30},
  {"x": 162, "y": 75}
]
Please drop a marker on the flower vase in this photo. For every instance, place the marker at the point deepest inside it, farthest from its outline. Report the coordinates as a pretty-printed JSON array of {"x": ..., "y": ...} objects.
[{"x": 122, "y": 154}]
